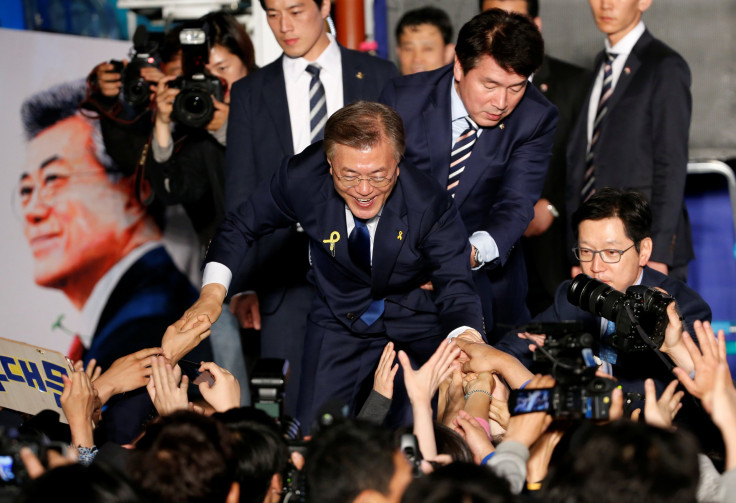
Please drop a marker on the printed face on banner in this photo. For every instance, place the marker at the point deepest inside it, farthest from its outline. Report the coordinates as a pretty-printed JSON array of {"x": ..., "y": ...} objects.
[{"x": 74, "y": 216}]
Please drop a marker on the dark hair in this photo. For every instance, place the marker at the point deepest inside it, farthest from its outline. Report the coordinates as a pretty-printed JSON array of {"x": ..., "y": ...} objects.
[
  {"x": 58, "y": 103},
  {"x": 184, "y": 457},
  {"x": 630, "y": 206},
  {"x": 363, "y": 125},
  {"x": 260, "y": 451},
  {"x": 223, "y": 29},
  {"x": 459, "y": 482},
  {"x": 450, "y": 442},
  {"x": 532, "y": 7},
  {"x": 96, "y": 483},
  {"x": 626, "y": 461},
  {"x": 171, "y": 44},
  {"x": 318, "y": 2},
  {"x": 426, "y": 15},
  {"x": 512, "y": 40},
  {"x": 348, "y": 458}
]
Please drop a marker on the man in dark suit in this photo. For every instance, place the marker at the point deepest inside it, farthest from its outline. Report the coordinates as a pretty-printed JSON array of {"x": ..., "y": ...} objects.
[
  {"x": 377, "y": 230},
  {"x": 614, "y": 246},
  {"x": 633, "y": 129},
  {"x": 513, "y": 126},
  {"x": 545, "y": 240},
  {"x": 93, "y": 239},
  {"x": 269, "y": 120}
]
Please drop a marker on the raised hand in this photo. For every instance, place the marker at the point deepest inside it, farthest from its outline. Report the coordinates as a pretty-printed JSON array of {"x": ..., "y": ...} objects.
[
  {"x": 167, "y": 394},
  {"x": 383, "y": 379},
  {"x": 224, "y": 394},
  {"x": 78, "y": 401},
  {"x": 660, "y": 412},
  {"x": 705, "y": 360},
  {"x": 127, "y": 373}
]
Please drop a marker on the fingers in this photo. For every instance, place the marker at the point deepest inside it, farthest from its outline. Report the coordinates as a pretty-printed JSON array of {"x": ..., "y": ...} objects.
[
  {"x": 616, "y": 411},
  {"x": 405, "y": 363},
  {"x": 686, "y": 381},
  {"x": 635, "y": 415},
  {"x": 214, "y": 369},
  {"x": 33, "y": 464},
  {"x": 145, "y": 353}
]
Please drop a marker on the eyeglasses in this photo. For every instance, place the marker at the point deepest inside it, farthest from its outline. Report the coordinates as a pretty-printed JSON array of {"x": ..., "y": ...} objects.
[
  {"x": 609, "y": 256},
  {"x": 376, "y": 181}
]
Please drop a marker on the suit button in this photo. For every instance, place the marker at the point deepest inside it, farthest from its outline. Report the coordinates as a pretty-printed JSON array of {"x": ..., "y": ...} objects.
[{"x": 351, "y": 316}]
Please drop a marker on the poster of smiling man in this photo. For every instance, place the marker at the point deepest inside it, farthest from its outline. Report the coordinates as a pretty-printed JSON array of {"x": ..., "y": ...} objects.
[{"x": 85, "y": 264}]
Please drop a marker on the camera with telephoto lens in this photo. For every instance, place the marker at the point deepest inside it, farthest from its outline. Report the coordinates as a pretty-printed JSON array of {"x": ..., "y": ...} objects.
[
  {"x": 144, "y": 54},
  {"x": 567, "y": 355},
  {"x": 193, "y": 106},
  {"x": 647, "y": 305}
]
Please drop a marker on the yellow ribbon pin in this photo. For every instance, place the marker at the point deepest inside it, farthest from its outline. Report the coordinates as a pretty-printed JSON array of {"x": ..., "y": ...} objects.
[
  {"x": 400, "y": 236},
  {"x": 334, "y": 238}
]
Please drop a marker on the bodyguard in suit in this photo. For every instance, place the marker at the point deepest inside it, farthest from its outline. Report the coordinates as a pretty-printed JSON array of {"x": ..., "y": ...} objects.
[
  {"x": 378, "y": 229},
  {"x": 633, "y": 130},
  {"x": 486, "y": 136},
  {"x": 545, "y": 242},
  {"x": 614, "y": 246},
  {"x": 269, "y": 120}
]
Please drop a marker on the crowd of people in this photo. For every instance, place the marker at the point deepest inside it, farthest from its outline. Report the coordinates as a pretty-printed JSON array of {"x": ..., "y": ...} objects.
[{"x": 404, "y": 245}]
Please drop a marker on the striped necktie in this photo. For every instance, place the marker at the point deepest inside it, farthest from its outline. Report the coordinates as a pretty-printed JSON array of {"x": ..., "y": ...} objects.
[
  {"x": 606, "y": 92},
  {"x": 317, "y": 104},
  {"x": 460, "y": 153}
]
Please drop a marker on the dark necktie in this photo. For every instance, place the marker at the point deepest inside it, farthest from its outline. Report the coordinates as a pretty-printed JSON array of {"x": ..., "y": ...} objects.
[
  {"x": 606, "y": 92},
  {"x": 359, "y": 247},
  {"x": 461, "y": 151},
  {"x": 317, "y": 105}
]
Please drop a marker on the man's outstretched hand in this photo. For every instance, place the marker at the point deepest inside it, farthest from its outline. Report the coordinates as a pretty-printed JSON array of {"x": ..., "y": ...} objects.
[{"x": 209, "y": 304}]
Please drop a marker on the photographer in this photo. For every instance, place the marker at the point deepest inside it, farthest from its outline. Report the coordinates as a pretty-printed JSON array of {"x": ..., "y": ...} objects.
[
  {"x": 614, "y": 246},
  {"x": 190, "y": 170}
]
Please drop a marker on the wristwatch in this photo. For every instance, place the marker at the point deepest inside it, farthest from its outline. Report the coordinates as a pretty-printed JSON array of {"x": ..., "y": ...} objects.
[{"x": 478, "y": 260}]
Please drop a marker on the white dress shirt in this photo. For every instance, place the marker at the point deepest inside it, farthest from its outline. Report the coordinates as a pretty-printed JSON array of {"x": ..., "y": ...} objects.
[{"x": 297, "y": 90}]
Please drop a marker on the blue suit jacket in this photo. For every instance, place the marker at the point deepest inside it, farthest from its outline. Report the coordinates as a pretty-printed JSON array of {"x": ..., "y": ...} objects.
[
  {"x": 149, "y": 297},
  {"x": 258, "y": 139},
  {"x": 639, "y": 366},
  {"x": 419, "y": 238},
  {"x": 643, "y": 144},
  {"x": 502, "y": 179}
]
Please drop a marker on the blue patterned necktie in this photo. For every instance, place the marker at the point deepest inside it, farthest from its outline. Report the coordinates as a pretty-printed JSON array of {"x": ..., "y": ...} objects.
[
  {"x": 317, "y": 104},
  {"x": 606, "y": 92},
  {"x": 359, "y": 248}
]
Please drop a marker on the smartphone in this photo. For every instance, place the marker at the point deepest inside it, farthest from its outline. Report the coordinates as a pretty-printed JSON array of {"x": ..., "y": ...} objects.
[
  {"x": 525, "y": 401},
  {"x": 191, "y": 370}
]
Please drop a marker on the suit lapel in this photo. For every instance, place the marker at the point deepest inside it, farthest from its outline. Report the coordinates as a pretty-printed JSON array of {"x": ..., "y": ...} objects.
[
  {"x": 353, "y": 78},
  {"x": 631, "y": 66},
  {"x": 274, "y": 98},
  {"x": 391, "y": 233},
  {"x": 438, "y": 130}
]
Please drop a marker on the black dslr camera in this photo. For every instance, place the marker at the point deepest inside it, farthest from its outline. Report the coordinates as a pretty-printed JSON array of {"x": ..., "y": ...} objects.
[
  {"x": 567, "y": 355},
  {"x": 193, "y": 106},
  {"x": 640, "y": 306},
  {"x": 143, "y": 54}
]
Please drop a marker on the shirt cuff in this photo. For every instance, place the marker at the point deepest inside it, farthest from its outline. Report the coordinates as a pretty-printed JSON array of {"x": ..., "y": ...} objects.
[
  {"x": 457, "y": 331},
  {"x": 161, "y": 154},
  {"x": 486, "y": 245},
  {"x": 215, "y": 272}
]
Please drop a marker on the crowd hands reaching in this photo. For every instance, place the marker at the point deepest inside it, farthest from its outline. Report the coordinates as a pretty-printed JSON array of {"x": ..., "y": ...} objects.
[{"x": 460, "y": 403}]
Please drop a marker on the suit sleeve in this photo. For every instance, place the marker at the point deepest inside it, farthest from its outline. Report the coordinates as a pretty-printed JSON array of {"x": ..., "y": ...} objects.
[
  {"x": 522, "y": 184},
  {"x": 266, "y": 210},
  {"x": 447, "y": 248},
  {"x": 671, "y": 109}
]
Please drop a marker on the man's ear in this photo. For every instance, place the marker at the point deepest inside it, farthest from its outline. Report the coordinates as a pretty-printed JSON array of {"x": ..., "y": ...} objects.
[
  {"x": 457, "y": 70},
  {"x": 233, "y": 496},
  {"x": 645, "y": 251},
  {"x": 325, "y": 8},
  {"x": 449, "y": 53}
]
